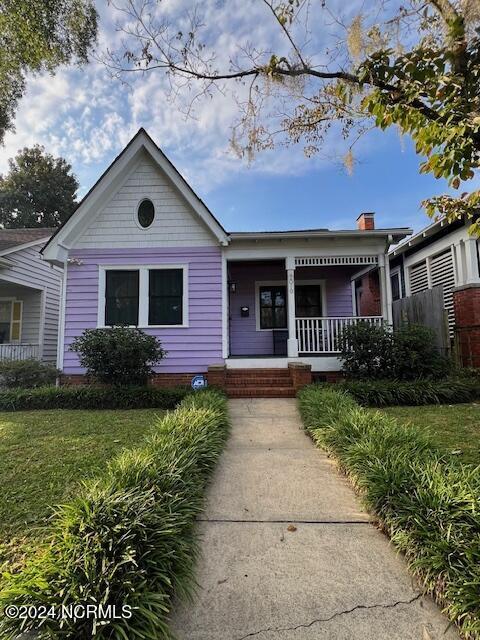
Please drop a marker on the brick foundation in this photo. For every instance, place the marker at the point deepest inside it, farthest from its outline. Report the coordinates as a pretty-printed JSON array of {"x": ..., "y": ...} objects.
[
  {"x": 217, "y": 376},
  {"x": 283, "y": 382},
  {"x": 466, "y": 304}
]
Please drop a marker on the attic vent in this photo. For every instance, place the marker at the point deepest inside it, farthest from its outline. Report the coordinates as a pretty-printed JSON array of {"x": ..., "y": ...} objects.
[{"x": 145, "y": 213}]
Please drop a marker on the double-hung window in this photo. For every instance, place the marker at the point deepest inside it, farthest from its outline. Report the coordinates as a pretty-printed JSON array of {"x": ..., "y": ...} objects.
[
  {"x": 153, "y": 296},
  {"x": 121, "y": 297},
  {"x": 165, "y": 296}
]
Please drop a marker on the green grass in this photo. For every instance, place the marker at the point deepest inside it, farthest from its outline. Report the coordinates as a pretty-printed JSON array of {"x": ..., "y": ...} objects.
[
  {"x": 454, "y": 428},
  {"x": 44, "y": 454}
]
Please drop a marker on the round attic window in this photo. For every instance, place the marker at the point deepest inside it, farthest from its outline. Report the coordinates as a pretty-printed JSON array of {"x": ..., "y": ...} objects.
[{"x": 145, "y": 213}]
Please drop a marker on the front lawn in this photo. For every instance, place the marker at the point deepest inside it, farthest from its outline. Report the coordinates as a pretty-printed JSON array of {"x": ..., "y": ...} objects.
[
  {"x": 455, "y": 428},
  {"x": 45, "y": 453}
]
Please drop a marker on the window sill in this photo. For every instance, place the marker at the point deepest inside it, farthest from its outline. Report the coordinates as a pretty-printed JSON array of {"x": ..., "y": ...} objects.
[{"x": 148, "y": 326}]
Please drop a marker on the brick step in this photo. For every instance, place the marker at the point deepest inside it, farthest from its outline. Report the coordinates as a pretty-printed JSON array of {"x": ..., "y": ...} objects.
[
  {"x": 248, "y": 381},
  {"x": 284, "y": 373},
  {"x": 253, "y": 379},
  {"x": 260, "y": 392}
]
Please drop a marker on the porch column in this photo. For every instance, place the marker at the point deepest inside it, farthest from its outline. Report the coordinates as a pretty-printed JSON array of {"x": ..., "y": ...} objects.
[
  {"x": 383, "y": 287},
  {"x": 388, "y": 291},
  {"x": 471, "y": 259},
  {"x": 292, "y": 344}
]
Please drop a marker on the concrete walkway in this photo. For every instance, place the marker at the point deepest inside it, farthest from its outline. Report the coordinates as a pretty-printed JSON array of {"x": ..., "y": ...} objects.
[{"x": 287, "y": 552}]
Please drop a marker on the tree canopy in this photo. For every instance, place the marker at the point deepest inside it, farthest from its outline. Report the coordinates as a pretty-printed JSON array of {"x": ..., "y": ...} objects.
[
  {"x": 36, "y": 36},
  {"x": 410, "y": 63},
  {"x": 38, "y": 190}
]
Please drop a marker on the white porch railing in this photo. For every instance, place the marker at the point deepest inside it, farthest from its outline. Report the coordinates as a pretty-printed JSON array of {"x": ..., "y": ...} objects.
[
  {"x": 322, "y": 335},
  {"x": 19, "y": 351}
]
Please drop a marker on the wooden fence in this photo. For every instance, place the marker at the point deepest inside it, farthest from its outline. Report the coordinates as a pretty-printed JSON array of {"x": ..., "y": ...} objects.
[{"x": 426, "y": 308}]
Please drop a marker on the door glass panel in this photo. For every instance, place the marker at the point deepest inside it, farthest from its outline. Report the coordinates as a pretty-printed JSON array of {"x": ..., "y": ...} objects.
[{"x": 273, "y": 307}]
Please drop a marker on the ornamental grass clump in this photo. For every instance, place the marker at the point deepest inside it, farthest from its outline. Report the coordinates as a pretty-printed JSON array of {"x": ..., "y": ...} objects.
[
  {"x": 128, "y": 538},
  {"x": 383, "y": 393},
  {"x": 429, "y": 506},
  {"x": 91, "y": 397}
]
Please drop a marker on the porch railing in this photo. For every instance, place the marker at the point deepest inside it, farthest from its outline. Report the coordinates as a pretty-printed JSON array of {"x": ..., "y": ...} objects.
[
  {"x": 19, "y": 351},
  {"x": 322, "y": 335}
]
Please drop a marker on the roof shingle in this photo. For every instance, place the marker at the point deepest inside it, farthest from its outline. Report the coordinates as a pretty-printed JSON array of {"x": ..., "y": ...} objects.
[{"x": 11, "y": 238}]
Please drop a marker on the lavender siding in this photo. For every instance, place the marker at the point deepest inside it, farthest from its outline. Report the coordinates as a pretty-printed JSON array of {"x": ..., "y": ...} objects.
[
  {"x": 244, "y": 337},
  {"x": 189, "y": 349}
]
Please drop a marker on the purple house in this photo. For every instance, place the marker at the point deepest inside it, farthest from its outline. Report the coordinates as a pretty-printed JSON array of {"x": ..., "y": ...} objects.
[{"x": 142, "y": 249}]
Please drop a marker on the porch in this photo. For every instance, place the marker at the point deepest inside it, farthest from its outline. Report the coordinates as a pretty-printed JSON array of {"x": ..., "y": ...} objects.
[
  {"x": 282, "y": 311},
  {"x": 21, "y": 310}
]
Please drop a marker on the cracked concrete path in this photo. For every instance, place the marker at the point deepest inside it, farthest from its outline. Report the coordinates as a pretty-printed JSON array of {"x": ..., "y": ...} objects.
[{"x": 334, "y": 576}]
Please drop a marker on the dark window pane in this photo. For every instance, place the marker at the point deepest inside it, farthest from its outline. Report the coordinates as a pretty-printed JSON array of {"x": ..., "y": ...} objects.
[
  {"x": 165, "y": 296},
  {"x": 395, "y": 280},
  {"x": 273, "y": 312},
  {"x": 146, "y": 213},
  {"x": 308, "y": 301},
  {"x": 121, "y": 298}
]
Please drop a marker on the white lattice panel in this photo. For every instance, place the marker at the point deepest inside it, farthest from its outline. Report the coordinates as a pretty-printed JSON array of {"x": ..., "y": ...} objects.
[{"x": 324, "y": 261}]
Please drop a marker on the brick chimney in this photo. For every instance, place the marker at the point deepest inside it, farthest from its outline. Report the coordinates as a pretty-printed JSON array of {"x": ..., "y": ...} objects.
[{"x": 366, "y": 221}]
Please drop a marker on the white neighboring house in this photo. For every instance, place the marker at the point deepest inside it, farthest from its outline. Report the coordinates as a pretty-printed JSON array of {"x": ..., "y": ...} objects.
[
  {"x": 441, "y": 254},
  {"x": 30, "y": 292}
]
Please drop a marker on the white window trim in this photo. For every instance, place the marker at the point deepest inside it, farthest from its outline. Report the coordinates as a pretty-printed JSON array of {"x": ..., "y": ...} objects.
[
  {"x": 274, "y": 283},
  {"x": 143, "y": 270}
]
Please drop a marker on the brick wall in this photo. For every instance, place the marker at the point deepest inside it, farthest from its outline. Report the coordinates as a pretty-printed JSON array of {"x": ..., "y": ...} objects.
[
  {"x": 466, "y": 303},
  {"x": 370, "y": 296}
]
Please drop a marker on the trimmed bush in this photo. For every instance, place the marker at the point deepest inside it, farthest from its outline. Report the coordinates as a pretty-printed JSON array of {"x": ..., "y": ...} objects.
[
  {"x": 372, "y": 352},
  {"x": 429, "y": 507},
  {"x": 118, "y": 355},
  {"x": 85, "y": 397},
  {"x": 383, "y": 393},
  {"x": 26, "y": 374},
  {"x": 128, "y": 538}
]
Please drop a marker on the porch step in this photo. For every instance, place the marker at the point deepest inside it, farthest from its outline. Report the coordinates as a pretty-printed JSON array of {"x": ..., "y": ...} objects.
[
  {"x": 260, "y": 392},
  {"x": 259, "y": 383},
  {"x": 250, "y": 381},
  {"x": 258, "y": 373}
]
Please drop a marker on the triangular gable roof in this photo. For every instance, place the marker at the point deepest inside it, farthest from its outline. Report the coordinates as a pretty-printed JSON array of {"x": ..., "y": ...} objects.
[{"x": 57, "y": 247}]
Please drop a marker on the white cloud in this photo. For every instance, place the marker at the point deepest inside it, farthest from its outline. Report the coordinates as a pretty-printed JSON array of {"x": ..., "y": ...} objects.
[{"x": 87, "y": 117}]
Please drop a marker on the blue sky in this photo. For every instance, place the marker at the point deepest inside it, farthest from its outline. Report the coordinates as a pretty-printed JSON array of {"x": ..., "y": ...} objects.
[{"x": 87, "y": 117}]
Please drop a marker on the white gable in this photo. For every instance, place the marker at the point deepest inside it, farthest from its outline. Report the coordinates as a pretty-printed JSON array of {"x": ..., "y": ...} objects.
[
  {"x": 175, "y": 223},
  {"x": 106, "y": 217}
]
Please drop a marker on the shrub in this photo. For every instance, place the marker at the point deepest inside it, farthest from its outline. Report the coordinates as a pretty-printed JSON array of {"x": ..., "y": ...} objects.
[
  {"x": 91, "y": 398},
  {"x": 27, "y": 374},
  {"x": 366, "y": 351},
  {"x": 382, "y": 393},
  {"x": 428, "y": 506},
  {"x": 374, "y": 352},
  {"x": 128, "y": 538},
  {"x": 415, "y": 354},
  {"x": 118, "y": 355}
]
